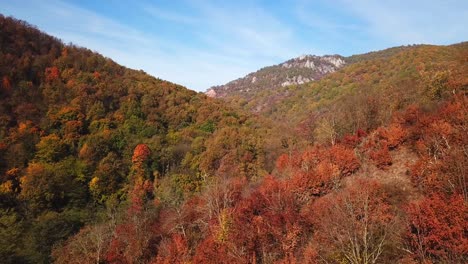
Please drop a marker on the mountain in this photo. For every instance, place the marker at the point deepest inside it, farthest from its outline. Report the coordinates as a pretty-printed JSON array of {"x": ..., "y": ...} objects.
[
  {"x": 103, "y": 164},
  {"x": 260, "y": 91},
  {"x": 296, "y": 71},
  {"x": 393, "y": 78}
]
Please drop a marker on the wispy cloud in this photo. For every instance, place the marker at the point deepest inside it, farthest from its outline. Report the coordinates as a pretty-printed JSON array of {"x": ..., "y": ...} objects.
[
  {"x": 245, "y": 27},
  {"x": 233, "y": 42},
  {"x": 324, "y": 17},
  {"x": 169, "y": 15},
  {"x": 405, "y": 22}
]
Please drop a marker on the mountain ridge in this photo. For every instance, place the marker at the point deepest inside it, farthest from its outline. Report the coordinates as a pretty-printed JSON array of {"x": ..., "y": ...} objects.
[
  {"x": 295, "y": 71},
  {"x": 310, "y": 68}
]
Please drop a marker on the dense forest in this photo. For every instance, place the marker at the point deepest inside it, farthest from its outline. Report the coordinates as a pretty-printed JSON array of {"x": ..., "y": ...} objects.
[{"x": 104, "y": 164}]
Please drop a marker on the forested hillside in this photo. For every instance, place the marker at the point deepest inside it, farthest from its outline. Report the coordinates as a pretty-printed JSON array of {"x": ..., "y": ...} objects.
[
  {"x": 103, "y": 164},
  {"x": 379, "y": 82},
  {"x": 70, "y": 120}
]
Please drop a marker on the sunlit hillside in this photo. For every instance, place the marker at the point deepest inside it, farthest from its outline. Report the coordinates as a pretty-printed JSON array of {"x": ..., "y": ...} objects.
[{"x": 364, "y": 162}]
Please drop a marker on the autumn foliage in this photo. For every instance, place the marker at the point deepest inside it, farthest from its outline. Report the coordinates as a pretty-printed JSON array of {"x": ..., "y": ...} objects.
[
  {"x": 51, "y": 74},
  {"x": 103, "y": 164},
  {"x": 355, "y": 225},
  {"x": 140, "y": 154},
  {"x": 437, "y": 229},
  {"x": 6, "y": 84}
]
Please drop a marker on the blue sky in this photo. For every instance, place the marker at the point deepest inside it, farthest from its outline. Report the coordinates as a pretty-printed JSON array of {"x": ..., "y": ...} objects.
[{"x": 200, "y": 43}]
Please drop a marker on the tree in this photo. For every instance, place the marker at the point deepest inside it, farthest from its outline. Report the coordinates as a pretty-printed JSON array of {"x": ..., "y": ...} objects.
[
  {"x": 266, "y": 225},
  {"x": 87, "y": 246},
  {"x": 53, "y": 186},
  {"x": 381, "y": 156},
  {"x": 326, "y": 131},
  {"x": 132, "y": 239},
  {"x": 437, "y": 229},
  {"x": 50, "y": 149},
  {"x": 140, "y": 154},
  {"x": 355, "y": 225},
  {"x": 52, "y": 74},
  {"x": 10, "y": 235},
  {"x": 108, "y": 177},
  {"x": 55, "y": 226},
  {"x": 6, "y": 85}
]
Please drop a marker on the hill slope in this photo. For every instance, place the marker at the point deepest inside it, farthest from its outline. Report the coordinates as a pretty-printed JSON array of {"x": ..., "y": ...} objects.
[
  {"x": 279, "y": 91},
  {"x": 70, "y": 120},
  {"x": 364, "y": 93}
]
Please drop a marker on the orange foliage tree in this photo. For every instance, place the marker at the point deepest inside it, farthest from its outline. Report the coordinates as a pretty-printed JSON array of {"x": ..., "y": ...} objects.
[
  {"x": 52, "y": 74},
  {"x": 6, "y": 84},
  {"x": 437, "y": 229}
]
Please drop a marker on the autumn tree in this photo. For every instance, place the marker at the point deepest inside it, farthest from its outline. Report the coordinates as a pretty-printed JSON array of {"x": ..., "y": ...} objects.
[
  {"x": 108, "y": 177},
  {"x": 441, "y": 146},
  {"x": 355, "y": 225},
  {"x": 266, "y": 225},
  {"x": 6, "y": 85},
  {"x": 52, "y": 74},
  {"x": 131, "y": 238},
  {"x": 50, "y": 149},
  {"x": 326, "y": 130},
  {"x": 317, "y": 170},
  {"x": 43, "y": 185},
  {"x": 437, "y": 229},
  {"x": 87, "y": 246},
  {"x": 173, "y": 250}
]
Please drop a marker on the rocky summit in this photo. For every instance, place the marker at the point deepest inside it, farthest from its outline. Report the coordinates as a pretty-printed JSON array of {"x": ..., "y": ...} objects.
[{"x": 296, "y": 71}]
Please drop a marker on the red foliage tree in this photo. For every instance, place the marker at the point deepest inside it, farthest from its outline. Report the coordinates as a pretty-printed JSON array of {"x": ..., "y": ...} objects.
[
  {"x": 6, "y": 84},
  {"x": 267, "y": 223},
  {"x": 345, "y": 159},
  {"x": 140, "y": 154},
  {"x": 52, "y": 74},
  {"x": 440, "y": 141},
  {"x": 394, "y": 135},
  {"x": 96, "y": 75},
  {"x": 438, "y": 228},
  {"x": 282, "y": 162},
  {"x": 212, "y": 251},
  {"x": 317, "y": 170},
  {"x": 142, "y": 185},
  {"x": 352, "y": 141},
  {"x": 381, "y": 156},
  {"x": 173, "y": 250}
]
